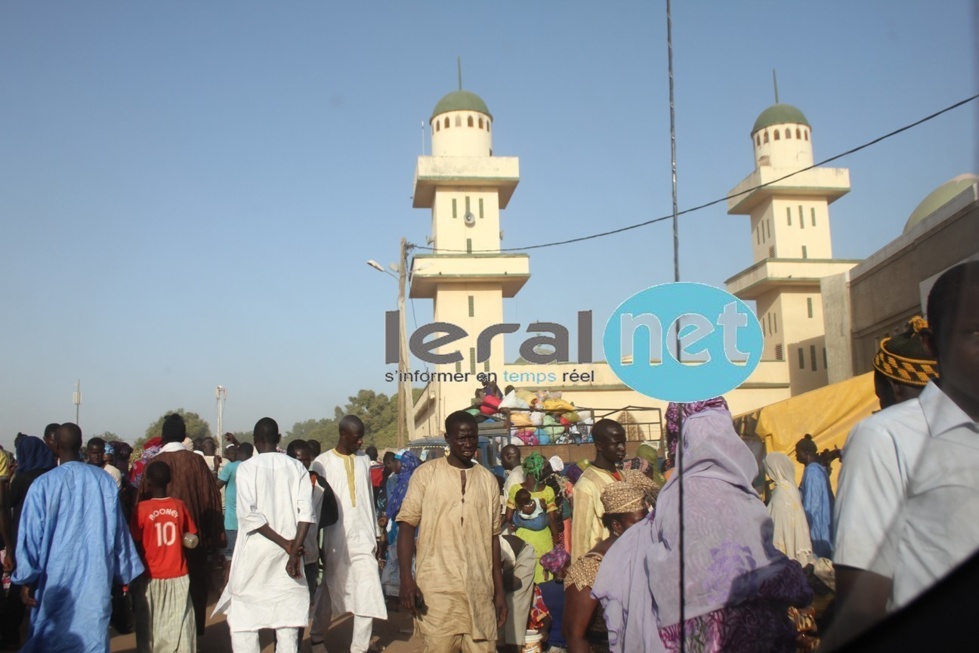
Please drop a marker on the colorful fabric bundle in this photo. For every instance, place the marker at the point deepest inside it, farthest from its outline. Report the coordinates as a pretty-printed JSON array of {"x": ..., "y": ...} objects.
[
  {"x": 527, "y": 437},
  {"x": 520, "y": 419},
  {"x": 490, "y": 405},
  {"x": 150, "y": 448},
  {"x": 555, "y": 560},
  {"x": 558, "y": 406}
]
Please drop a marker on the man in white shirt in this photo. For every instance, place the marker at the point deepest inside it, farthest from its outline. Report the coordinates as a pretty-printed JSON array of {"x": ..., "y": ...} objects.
[
  {"x": 267, "y": 588},
  {"x": 907, "y": 510},
  {"x": 299, "y": 449},
  {"x": 351, "y": 574}
]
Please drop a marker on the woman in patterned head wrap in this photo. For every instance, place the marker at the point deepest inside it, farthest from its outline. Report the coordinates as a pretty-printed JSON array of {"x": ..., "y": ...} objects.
[
  {"x": 642, "y": 481},
  {"x": 536, "y": 470},
  {"x": 584, "y": 624},
  {"x": 903, "y": 365}
]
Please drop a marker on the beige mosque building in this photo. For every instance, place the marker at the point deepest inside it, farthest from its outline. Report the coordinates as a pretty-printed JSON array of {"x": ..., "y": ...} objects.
[{"x": 466, "y": 187}]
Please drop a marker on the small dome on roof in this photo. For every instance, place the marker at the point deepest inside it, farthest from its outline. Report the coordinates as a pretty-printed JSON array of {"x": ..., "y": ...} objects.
[
  {"x": 461, "y": 101},
  {"x": 780, "y": 114},
  {"x": 939, "y": 197}
]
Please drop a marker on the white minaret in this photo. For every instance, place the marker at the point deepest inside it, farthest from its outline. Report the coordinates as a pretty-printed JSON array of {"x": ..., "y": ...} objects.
[
  {"x": 465, "y": 187},
  {"x": 791, "y": 242}
]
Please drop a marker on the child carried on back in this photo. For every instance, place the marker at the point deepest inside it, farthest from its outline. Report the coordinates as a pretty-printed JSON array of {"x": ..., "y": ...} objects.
[{"x": 530, "y": 512}]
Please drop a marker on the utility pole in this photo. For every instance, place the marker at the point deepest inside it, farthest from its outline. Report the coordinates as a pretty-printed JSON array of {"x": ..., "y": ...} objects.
[
  {"x": 676, "y": 279},
  {"x": 76, "y": 398},
  {"x": 406, "y": 408},
  {"x": 406, "y": 420}
]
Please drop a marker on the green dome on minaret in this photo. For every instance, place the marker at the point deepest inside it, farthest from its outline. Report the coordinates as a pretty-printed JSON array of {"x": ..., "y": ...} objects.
[
  {"x": 461, "y": 101},
  {"x": 780, "y": 114}
]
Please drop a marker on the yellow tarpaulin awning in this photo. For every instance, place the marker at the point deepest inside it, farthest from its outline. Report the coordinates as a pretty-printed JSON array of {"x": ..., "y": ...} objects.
[{"x": 827, "y": 413}]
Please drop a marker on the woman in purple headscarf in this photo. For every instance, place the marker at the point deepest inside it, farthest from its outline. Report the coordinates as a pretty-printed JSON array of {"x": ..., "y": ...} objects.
[{"x": 738, "y": 586}]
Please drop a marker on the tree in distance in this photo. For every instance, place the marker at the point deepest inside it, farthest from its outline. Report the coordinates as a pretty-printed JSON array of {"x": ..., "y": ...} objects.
[
  {"x": 323, "y": 430},
  {"x": 197, "y": 427},
  {"x": 108, "y": 436},
  {"x": 378, "y": 411}
]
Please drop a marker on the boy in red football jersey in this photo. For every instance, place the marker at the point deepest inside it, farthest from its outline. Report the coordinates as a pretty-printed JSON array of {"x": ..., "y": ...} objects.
[{"x": 161, "y": 527}]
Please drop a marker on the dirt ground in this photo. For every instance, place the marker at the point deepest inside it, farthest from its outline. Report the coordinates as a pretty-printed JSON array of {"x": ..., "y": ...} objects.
[{"x": 394, "y": 635}]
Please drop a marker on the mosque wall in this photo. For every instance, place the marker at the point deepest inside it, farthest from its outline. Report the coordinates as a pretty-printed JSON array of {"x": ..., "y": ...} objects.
[
  {"x": 835, "y": 293},
  {"x": 884, "y": 290}
]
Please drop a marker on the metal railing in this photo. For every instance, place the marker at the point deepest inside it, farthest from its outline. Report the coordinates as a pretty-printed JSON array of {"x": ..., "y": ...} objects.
[{"x": 645, "y": 430}]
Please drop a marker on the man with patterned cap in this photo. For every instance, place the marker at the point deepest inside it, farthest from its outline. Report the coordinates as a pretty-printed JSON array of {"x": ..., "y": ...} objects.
[
  {"x": 875, "y": 475},
  {"x": 907, "y": 508},
  {"x": 903, "y": 365}
]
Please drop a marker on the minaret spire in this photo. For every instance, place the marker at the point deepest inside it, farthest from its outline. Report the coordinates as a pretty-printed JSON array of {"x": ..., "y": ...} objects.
[
  {"x": 774, "y": 81},
  {"x": 459, "y": 67}
]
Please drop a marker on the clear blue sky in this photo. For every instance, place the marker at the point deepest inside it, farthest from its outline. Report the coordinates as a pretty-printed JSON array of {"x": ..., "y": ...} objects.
[{"x": 188, "y": 191}]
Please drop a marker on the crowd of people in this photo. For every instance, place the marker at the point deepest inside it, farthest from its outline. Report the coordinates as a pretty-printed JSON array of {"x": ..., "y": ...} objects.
[{"x": 601, "y": 554}]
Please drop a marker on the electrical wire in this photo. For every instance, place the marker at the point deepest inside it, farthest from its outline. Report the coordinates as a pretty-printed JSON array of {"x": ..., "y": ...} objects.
[{"x": 705, "y": 205}]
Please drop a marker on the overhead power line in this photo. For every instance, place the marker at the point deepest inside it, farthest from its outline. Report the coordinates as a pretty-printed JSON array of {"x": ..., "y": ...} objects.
[{"x": 705, "y": 205}]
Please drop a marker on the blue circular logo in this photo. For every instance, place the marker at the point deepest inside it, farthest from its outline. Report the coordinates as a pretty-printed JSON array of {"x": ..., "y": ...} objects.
[{"x": 683, "y": 342}]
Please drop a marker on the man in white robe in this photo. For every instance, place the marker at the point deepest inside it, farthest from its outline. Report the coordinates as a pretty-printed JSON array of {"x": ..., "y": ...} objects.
[
  {"x": 351, "y": 574},
  {"x": 267, "y": 588}
]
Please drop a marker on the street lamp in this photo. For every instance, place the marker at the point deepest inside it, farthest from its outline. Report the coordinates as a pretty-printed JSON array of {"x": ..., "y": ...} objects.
[
  {"x": 406, "y": 412},
  {"x": 76, "y": 397},
  {"x": 221, "y": 395}
]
